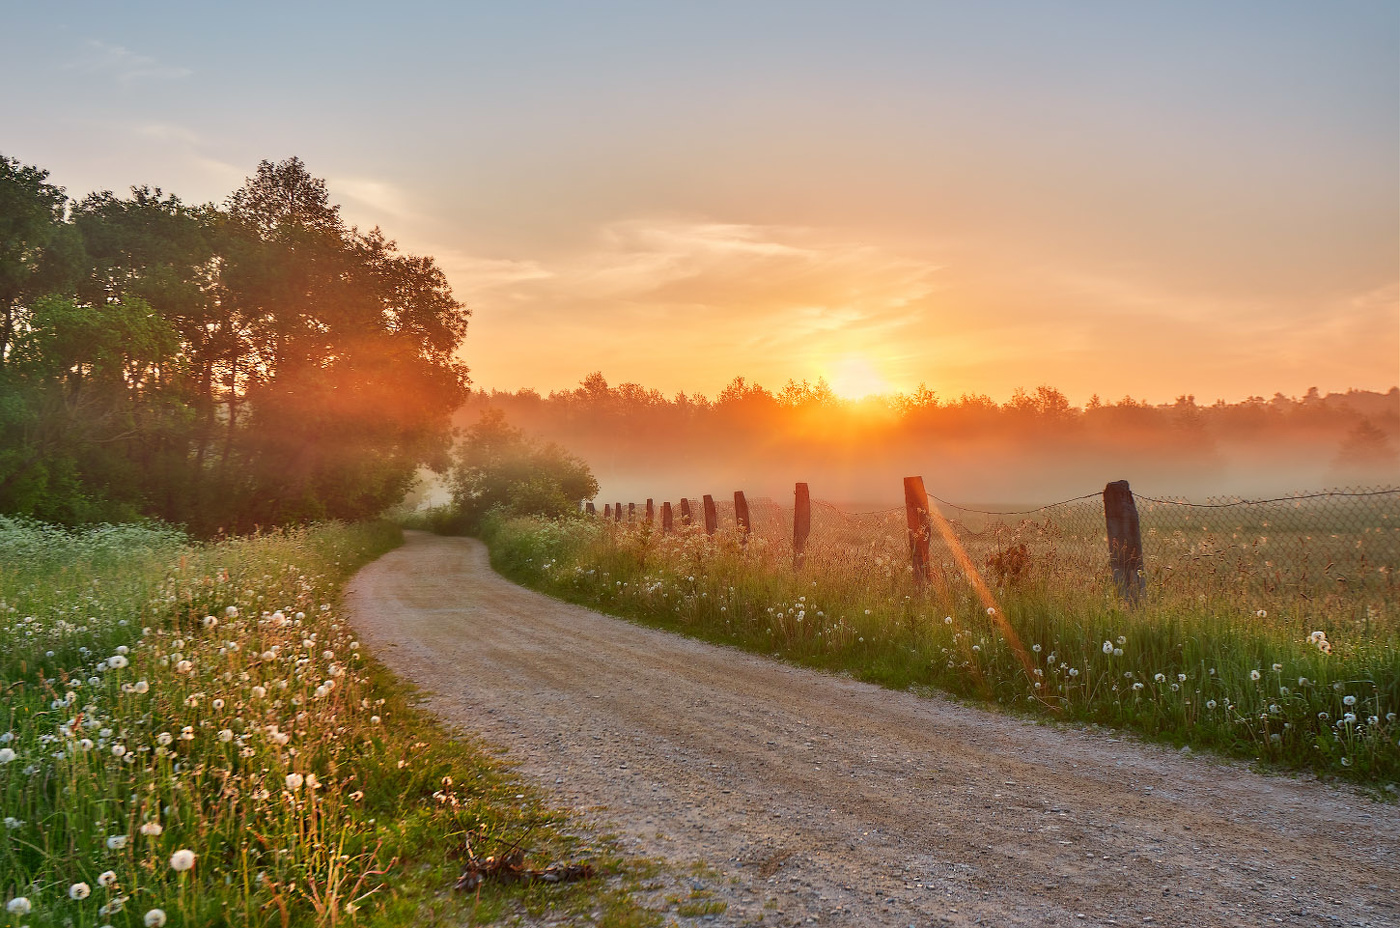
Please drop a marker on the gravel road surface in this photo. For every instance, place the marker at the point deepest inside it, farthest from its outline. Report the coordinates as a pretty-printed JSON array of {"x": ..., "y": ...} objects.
[{"x": 820, "y": 800}]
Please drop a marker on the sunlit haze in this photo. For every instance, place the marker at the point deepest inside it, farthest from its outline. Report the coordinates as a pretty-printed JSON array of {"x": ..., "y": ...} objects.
[{"x": 1144, "y": 199}]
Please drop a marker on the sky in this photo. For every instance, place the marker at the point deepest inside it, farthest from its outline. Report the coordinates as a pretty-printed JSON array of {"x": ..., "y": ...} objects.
[{"x": 1145, "y": 199}]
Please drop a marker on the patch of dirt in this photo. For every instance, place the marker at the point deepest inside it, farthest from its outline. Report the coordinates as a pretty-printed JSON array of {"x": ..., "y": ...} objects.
[{"x": 818, "y": 799}]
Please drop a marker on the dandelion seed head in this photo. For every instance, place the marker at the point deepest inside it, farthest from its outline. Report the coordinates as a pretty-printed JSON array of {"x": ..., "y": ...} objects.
[{"x": 79, "y": 891}]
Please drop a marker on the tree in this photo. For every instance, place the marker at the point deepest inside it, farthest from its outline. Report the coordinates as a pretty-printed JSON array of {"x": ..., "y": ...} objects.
[
  {"x": 499, "y": 468},
  {"x": 31, "y": 216}
]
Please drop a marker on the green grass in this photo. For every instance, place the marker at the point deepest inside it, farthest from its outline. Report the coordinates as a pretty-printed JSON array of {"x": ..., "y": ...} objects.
[
  {"x": 163, "y": 697},
  {"x": 1211, "y": 671}
]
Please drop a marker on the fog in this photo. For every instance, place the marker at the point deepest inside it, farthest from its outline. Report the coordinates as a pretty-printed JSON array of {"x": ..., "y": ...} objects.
[{"x": 1033, "y": 448}]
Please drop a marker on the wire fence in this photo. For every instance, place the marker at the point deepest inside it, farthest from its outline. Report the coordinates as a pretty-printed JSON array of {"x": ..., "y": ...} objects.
[{"x": 1334, "y": 551}]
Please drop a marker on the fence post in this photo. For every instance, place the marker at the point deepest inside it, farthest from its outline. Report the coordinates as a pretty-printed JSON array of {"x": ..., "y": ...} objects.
[
  {"x": 666, "y": 516},
  {"x": 591, "y": 509},
  {"x": 920, "y": 524},
  {"x": 801, "y": 525},
  {"x": 631, "y": 512},
  {"x": 617, "y": 512},
  {"x": 741, "y": 515},
  {"x": 1124, "y": 541},
  {"x": 607, "y": 511},
  {"x": 651, "y": 512},
  {"x": 686, "y": 515},
  {"x": 711, "y": 519}
]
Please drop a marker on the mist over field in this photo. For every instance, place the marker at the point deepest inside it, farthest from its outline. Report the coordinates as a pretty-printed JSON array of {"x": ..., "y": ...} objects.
[{"x": 1034, "y": 448}]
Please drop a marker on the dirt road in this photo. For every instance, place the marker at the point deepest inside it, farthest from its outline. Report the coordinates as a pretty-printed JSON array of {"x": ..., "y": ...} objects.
[{"x": 825, "y": 801}]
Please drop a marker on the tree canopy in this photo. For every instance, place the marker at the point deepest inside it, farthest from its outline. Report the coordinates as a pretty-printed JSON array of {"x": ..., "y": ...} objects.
[{"x": 222, "y": 367}]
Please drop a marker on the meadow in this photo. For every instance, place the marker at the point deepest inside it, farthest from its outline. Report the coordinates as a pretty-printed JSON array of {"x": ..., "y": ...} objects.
[
  {"x": 191, "y": 735},
  {"x": 1232, "y": 662}
]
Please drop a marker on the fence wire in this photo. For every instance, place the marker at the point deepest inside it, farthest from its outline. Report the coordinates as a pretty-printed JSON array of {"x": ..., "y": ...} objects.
[{"x": 1334, "y": 551}]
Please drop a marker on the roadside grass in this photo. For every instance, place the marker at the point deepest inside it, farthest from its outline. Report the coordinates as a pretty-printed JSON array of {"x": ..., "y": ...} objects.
[
  {"x": 1211, "y": 672},
  {"x": 191, "y": 735}
]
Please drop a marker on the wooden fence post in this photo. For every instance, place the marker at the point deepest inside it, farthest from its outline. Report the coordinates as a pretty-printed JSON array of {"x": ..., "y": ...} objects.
[
  {"x": 651, "y": 512},
  {"x": 631, "y": 512},
  {"x": 686, "y": 515},
  {"x": 591, "y": 509},
  {"x": 617, "y": 512},
  {"x": 741, "y": 515},
  {"x": 920, "y": 524},
  {"x": 801, "y": 525},
  {"x": 711, "y": 518},
  {"x": 666, "y": 516},
  {"x": 607, "y": 511},
  {"x": 1124, "y": 541}
]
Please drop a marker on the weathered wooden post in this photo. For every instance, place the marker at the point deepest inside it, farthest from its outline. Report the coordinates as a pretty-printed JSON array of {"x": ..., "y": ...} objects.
[
  {"x": 1124, "y": 541},
  {"x": 617, "y": 512},
  {"x": 631, "y": 512},
  {"x": 711, "y": 518},
  {"x": 801, "y": 525},
  {"x": 666, "y": 516},
  {"x": 607, "y": 511},
  {"x": 686, "y": 516},
  {"x": 591, "y": 509},
  {"x": 920, "y": 524},
  {"x": 741, "y": 515},
  {"x": 651, "y": 512}
]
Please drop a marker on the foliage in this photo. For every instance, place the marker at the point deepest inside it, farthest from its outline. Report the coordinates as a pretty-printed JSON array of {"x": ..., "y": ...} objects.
[
  {"x": 164, "y": 698},
  {"x": 499, "y": 468},
  {"x": 1210, "y": 673},
  {"x": 219, "y": 367}
]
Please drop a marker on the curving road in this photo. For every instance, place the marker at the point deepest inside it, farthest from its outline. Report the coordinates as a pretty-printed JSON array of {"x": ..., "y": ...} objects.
[{"x": 825, "y": 801}]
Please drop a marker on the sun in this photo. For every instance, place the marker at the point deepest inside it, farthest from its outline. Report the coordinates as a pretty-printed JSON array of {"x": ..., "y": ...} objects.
[{"x": 854, "y": 378}]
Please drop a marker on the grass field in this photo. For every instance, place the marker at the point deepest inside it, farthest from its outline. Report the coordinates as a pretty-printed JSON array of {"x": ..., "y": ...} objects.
[
  {"x": 192, "y": 736},
  {"x": 1313, "y": 688}
]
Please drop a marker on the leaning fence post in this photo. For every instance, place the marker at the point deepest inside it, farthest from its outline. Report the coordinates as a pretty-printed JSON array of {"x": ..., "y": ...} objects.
[
  {"x": 920, "y": 524},
  {"x": 741, "y": 514},
  {"x": 1124, "y": 540},
  {"x": 711, "y": 519},
  {"x": 651, "y": 512},
  {"x": 666, "y": 516},
  {"x": 590, "y": 508},
  {"x": 686, "y": 515},
  {"x": 631, "y": 512},
  {"x": 801, "y": 525}
]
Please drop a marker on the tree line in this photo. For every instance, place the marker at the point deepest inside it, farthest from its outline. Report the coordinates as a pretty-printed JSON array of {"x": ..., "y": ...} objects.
[{"x": 218, "y": 366}]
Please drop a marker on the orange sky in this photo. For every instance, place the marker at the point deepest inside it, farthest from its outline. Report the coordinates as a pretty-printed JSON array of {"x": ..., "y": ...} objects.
[{"x": 1148, "y": 199}]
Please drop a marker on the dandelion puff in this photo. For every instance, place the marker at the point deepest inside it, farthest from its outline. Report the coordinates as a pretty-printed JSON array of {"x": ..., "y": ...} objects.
[
  {"x": 947, "y": 620},
  {"x": 1108, "y": 647},
  {"x": 1254, "y": 675},
  {"x": 19, "y": 905},
  {"x": 1160, "y": 678},
  {"x": 1278, "y": 668},
  {"x": 7, "y": 755},
  {"x": 1348, "y": 700},
  {"x": 155, "y": 918},
  {"x": 294, "y": 781},
  {"x": 991, "y": 610},
  {"x": 116, "y": 842},
  {"x": 107, "y": 878},
  {"x": 182, "y": 860},
  {"x": 79, "y": 891}
]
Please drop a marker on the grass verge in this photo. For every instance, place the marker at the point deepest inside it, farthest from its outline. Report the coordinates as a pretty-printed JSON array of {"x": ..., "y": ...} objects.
[
  {"x": 191, "y": 735},
  {"x": 1210, "y": 674}
]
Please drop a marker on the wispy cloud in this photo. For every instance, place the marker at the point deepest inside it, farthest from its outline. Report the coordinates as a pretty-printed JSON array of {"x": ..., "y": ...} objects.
[{"x": 124, "y": 65}]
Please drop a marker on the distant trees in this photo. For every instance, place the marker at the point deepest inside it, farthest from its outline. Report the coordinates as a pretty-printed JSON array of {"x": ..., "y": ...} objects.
[{"x": 221, "y": 367}]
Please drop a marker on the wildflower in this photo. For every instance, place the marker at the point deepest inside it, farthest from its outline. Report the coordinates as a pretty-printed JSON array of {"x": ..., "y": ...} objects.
[
  {"x": 116, "y": 842},
  {"x": 1278, "y": 668},
  {"x": 294, "y": 781},
  {"x": 183, "y": 667},
  {"x": 1108, "y": 647},
  {"x": 1035, "y": 648},
  {"x": 231, "y": 612},
  {"x": 79, "y": 891},
  {"x": 1254, "y": 675},
  {"x": 117, "y": 662},
  {"x": 7, "y": 755},
  {"x": 151, "y": 829},
  {"x": 210, "y": 621},
  {"x": 155, "y": 918},
  {"x": 1160, "y": 678},
  {"x": 991, "y": 610},
  {"x": 1210, "y": 704},
  {"x": 1348, "y": 700},
  {"x": 164, "y": 738},
  {"x": 182, "y": 860},
  {"x": 1346, "y": 761},
  {"x": 19, "y": 905},
  {"x": 218, "y": 704},
  {"x": 259, "y": 692},
  {"x": 142, "y": 686},
  {"x": 1261, "y": 614},
  {"x": 118, "y": 750},
  {"x": 948, "y": 620},
  {"x": 1074, "y": 671},
  {"x": 1122, "y": 639},
  {"x": 107, "y": 878},
  {"x": 1302, "y": 681},
  {"x": 1137, "y": 686},
  {"x": 225, "y": 735},
  {"x": 1181, "y": 677},
  {"x": 374, "y": 720}
]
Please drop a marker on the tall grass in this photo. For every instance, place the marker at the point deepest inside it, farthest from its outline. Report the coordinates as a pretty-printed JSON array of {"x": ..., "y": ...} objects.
[
  {"x": 1211, "y": 672},
  {"x": 191, "y": 735}
]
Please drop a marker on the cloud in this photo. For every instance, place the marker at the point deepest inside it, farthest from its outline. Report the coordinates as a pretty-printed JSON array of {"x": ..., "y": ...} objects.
[
  {"x": 379, "y": 196},
  {"x": 123, "y": 64}
]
